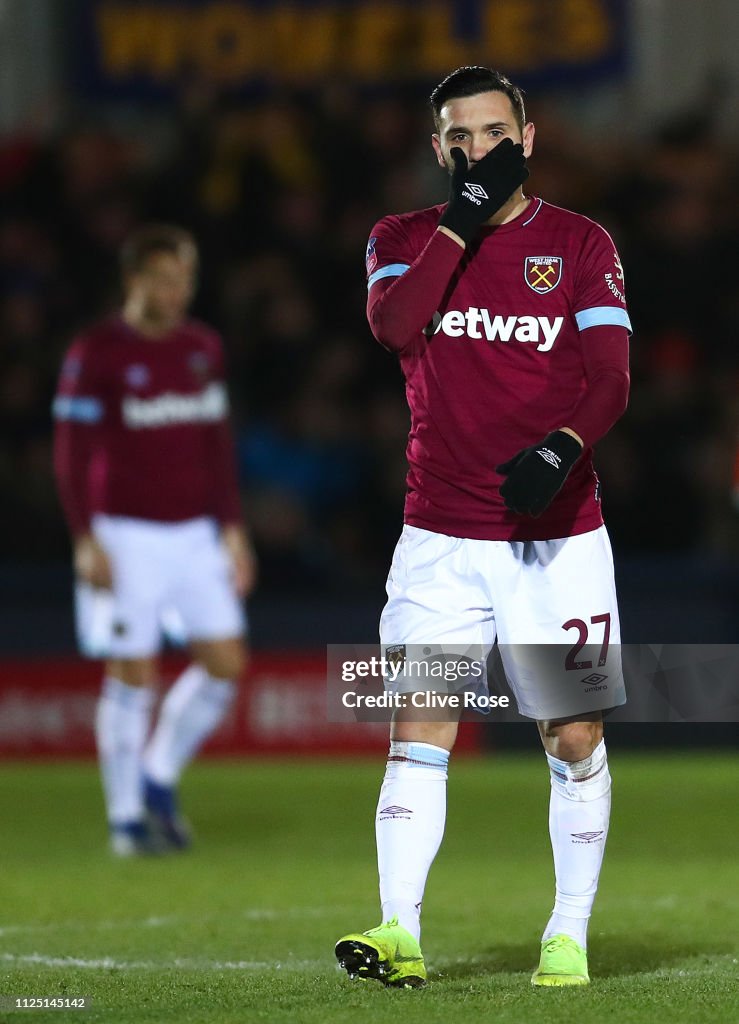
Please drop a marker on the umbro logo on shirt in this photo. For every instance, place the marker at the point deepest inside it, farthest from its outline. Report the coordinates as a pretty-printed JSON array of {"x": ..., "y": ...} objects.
[{"x": 480, "y": 323}]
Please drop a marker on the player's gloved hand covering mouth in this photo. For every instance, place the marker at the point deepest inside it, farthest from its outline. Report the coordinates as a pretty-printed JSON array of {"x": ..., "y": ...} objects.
[
  {"x": 476, "y": 193},
  {"x": 536, "y": 474}
]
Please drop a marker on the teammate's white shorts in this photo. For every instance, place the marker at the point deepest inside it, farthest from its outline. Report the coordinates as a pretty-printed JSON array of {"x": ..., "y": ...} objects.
[
  {"x": 167, "y": 577},
  {"x": 550, "y": 604}
]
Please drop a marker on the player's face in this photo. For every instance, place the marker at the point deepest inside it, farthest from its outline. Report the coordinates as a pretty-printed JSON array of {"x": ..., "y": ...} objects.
[
  {"x": 164, "y": 286},
  {"x": 476, "y": 124}
]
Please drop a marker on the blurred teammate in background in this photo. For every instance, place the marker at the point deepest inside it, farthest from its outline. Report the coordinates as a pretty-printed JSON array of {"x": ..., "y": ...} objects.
[
  {"x": 146, "y": 474},
  {"x": 509, "y": 319}
]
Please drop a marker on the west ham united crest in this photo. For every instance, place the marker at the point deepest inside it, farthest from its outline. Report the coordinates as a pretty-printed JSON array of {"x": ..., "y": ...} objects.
[
  {"x": 395, "y": 654},
  {"x": 542, "y": 273},
  {"x": 199, "y": 365},
  {"x": 137, "y": 375}
]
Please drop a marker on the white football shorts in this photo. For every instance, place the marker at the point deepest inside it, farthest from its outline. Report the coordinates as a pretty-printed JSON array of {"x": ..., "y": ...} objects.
[
  {"x": 168, "y": 578},
  {"x": 550, "y": 605}
]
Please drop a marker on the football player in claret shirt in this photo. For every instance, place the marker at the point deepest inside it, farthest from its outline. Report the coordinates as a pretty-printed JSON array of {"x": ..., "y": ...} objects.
[
  {"x": 146, "y": 474},
  {"x": 509, "y": 320}
]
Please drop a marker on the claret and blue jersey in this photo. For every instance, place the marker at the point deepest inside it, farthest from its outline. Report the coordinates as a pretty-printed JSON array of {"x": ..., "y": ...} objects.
[
  {"x": 500, "y": 363},
  {"x": 142, "y": 426}
]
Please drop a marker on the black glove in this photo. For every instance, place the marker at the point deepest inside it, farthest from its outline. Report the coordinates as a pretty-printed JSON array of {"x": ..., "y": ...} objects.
[
  {"x": 476, "y": 193},
  {"x": 536, "y": 474}
]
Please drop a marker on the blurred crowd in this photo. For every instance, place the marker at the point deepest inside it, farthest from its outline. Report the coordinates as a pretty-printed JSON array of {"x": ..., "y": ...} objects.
[{"x": 282, "y": 195}]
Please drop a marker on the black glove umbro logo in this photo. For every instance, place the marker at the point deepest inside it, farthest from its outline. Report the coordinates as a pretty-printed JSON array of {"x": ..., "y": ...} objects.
[
  {"x": 549, "y": 456},
  {"x": 476, "y": 190}
]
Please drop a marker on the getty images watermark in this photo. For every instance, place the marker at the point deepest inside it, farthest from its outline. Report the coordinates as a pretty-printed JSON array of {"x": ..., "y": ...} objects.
[
  {"x": 403, "y": 679},
  {"x": 370, "y": 683},
  {"x": 648, "y": 683}
]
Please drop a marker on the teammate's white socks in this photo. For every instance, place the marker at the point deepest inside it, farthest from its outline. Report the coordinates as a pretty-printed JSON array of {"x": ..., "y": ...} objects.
[
  {"x": 121, "y": 725},
  {"x": 411, "y": 814},
  {"x": 579, "y": 811},
  {"x": 192, "y": 709}
]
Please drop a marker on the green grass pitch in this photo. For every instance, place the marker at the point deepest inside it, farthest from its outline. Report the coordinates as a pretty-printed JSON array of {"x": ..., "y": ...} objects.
[{"x": 242, "y": 928}]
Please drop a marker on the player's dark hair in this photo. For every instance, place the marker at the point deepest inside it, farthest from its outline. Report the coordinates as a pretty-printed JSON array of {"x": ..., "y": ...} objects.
[
  {"x": 155, "y": 238},
  {"x": 471, "y": 81}
]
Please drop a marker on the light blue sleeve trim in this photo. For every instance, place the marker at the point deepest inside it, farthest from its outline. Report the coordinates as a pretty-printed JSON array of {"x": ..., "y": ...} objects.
[
  {"x": 81, "y": 409},
  {"x": 603, "y": 316},
  {"x": 391, "y": 270}
]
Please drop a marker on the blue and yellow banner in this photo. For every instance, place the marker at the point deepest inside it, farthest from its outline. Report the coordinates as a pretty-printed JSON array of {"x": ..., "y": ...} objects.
[{"x": 124, "y": 47}]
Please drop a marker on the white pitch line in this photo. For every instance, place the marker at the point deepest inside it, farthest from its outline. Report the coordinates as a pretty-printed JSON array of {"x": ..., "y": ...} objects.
[
  {"x": 165, "y": 921},
  {"x": 107, "y": 962},
  {"x": 49, "y": 926}
]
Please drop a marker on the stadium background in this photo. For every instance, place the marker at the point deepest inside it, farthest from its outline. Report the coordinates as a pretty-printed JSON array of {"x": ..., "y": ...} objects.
[{"x": 279, "y": 132}]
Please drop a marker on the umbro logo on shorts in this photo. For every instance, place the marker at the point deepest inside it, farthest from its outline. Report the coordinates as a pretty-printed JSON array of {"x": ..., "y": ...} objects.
[{"x": 594, "y": 678}]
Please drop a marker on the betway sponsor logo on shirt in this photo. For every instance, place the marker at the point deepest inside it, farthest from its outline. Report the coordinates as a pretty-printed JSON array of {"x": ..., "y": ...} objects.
[
  {"x": 541, "y": 331},
  {"x": 208, "y": 406}
]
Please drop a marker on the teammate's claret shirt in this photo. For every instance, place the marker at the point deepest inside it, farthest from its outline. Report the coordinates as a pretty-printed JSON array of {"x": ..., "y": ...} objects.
[{"x": 142, "y": 426}]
